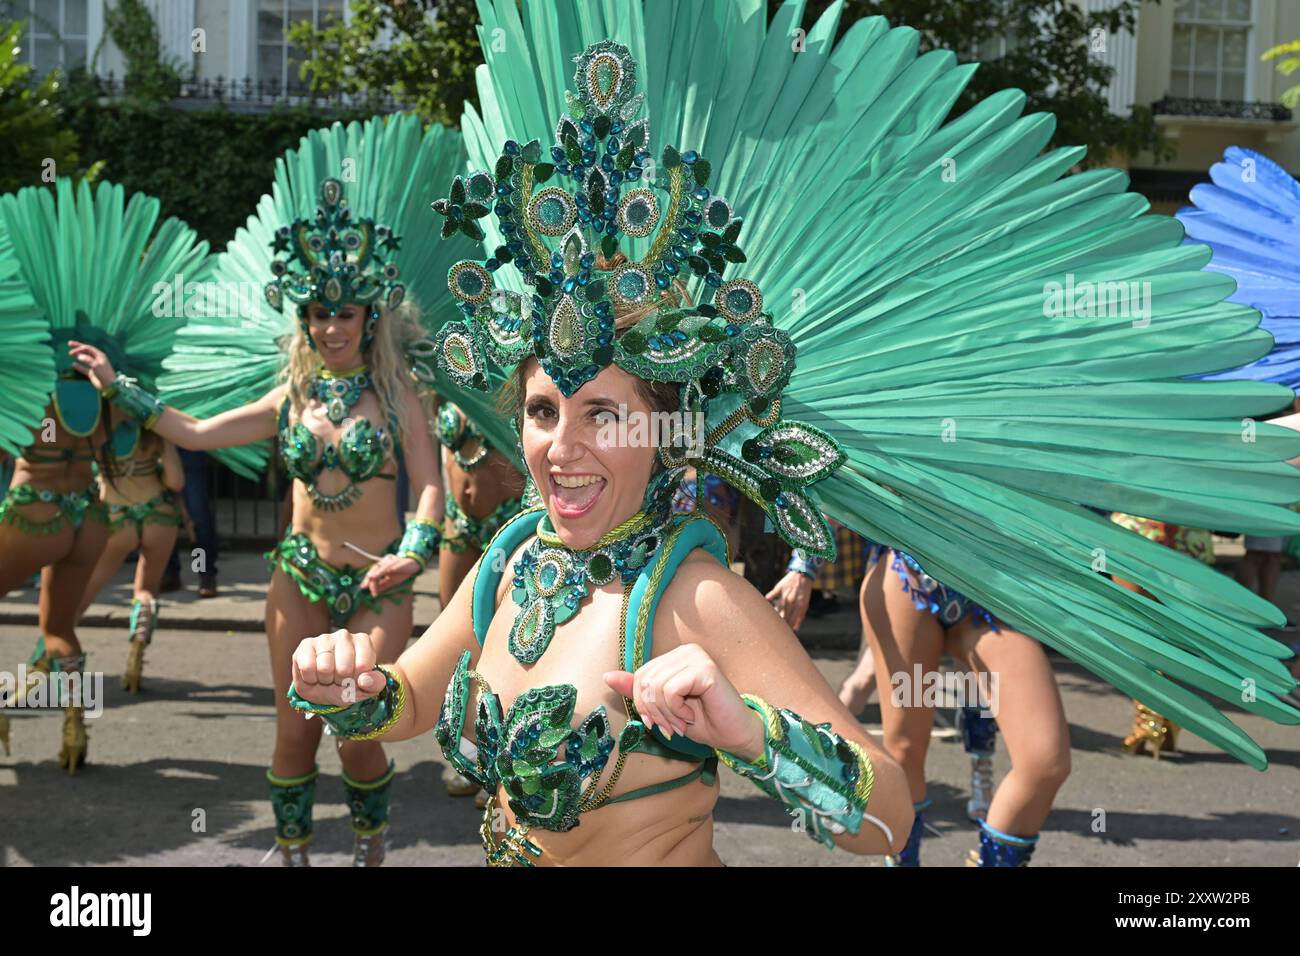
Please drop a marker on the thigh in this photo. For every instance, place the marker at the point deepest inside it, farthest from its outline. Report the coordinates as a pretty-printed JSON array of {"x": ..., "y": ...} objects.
[
  {"x": 1026, "y": 701},
  {"x": 902, "y": 638},
  {"x": 64, "y": 583},
  {"x": 290, "y": 618},
  {"x": 23, "y": 554},
  {"x": 156, "y": 546},
  {"x": 389, "y": 627},
  {"x": 116, "y": 548}
]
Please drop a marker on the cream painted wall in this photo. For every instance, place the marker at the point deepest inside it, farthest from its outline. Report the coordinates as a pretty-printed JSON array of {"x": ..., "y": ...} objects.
[{"x": 1200, "y": 141}]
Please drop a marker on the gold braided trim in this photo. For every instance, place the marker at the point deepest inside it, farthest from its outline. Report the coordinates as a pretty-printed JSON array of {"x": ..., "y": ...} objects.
[
  {"x": 590, "y": 801},
  {"x": 396, "y": 715},
  {"x": 866, "y": 772},
  {"x": 636, "y": 523}
]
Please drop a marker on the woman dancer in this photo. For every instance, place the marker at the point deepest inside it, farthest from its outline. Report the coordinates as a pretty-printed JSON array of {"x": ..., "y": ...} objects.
[
  {"x": 52, "y": 518},
  {"x": 344, "y": 413},
  {"x": 911, "y": 620},
  {"x": 483, "y": 491},
  {"x": 140, "y": 492},
  {"x": 881, "y": 344}
]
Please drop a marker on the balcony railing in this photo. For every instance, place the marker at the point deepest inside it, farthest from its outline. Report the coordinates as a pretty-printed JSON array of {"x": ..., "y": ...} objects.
[
  {"x": 1223, "y": 109},
  {"x": 249, "y": 94}
]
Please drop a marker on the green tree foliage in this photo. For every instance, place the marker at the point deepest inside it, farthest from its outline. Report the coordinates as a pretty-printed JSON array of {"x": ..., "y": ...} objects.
[
  {"x": 31, "y": 124},
  {"x": 427, "y": 62},
  {"x": 1043, "y": 47},
  {"x": 209, "y": 167}
]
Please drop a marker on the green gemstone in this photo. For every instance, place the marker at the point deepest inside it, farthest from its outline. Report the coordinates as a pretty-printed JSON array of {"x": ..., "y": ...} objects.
[{"x": 600, "y": 566}]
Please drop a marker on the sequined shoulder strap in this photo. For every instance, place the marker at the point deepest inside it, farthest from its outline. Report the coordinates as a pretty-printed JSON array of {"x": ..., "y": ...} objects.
[
  {"x": 695, "y": 531},
  {"x": 495, "y": 560}
]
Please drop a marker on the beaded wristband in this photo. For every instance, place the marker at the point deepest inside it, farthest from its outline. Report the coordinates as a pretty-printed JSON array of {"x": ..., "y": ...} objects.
[
  {"x": 126, "y": 393},
  {"x": 366, "y": 719},
  {"x": 420, "y": 540},
  {"x": 805, "y": 565},
  {"x": 810, "y": 769}
]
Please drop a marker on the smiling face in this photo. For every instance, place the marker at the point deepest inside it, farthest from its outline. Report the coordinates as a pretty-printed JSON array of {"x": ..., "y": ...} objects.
[
  {"x": 589, "y": 481},
  {"x": 337, "y": 337}
]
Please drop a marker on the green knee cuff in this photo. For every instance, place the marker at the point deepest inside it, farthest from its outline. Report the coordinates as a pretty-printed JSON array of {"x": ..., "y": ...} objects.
[
  {"x": 368, "y": 802},
  {"x": 292, "y": 799}
]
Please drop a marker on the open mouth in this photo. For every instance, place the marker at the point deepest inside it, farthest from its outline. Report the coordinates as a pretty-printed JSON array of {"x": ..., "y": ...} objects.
[{"x": 574, "y": 495}]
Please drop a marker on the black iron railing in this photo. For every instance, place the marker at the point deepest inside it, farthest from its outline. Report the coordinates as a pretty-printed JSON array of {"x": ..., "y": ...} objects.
[
  {"x": 249, "y": 93},
  {"x": 1225, "y": 109}
]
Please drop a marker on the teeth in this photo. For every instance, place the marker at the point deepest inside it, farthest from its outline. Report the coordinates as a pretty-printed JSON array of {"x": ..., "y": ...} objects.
[{"x": 576, "y": 481}]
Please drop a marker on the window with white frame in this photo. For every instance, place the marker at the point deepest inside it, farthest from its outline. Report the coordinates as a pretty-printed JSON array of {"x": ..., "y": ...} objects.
[
  {"x": 277, "y": 59},
  {"x": 1211, "y": 55},
  {"x": 54, "y": 33}
]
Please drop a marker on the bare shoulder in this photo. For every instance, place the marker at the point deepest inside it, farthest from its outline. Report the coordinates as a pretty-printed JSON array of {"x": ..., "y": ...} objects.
[{"x": 711, "y": 605}]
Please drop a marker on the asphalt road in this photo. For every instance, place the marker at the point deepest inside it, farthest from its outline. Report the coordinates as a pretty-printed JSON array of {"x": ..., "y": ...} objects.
[{"x": 199, "y": 739}]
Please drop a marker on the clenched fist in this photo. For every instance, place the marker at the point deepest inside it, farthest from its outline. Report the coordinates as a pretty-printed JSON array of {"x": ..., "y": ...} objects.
[{"x": 337, "y": 669}]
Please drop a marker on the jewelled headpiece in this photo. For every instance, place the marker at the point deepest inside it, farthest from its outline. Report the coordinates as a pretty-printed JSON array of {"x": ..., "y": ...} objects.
[
  {"x": 335, "y": 260},
  {"x": 561, "y": 220}
]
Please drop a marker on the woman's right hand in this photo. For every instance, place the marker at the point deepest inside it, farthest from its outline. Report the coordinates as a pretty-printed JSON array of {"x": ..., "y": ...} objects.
[
  {"x": 337, "y": 669},
  {"x": 92, "y": 363}
]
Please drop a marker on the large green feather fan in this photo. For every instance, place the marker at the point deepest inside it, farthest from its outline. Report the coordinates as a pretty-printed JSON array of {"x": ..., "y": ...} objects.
[
  {"x": 391, "y": 169},
  {"x": 102, "y": 273},
  {"x": 918, "y": 266},
  {"x": 26, "y": 359}
]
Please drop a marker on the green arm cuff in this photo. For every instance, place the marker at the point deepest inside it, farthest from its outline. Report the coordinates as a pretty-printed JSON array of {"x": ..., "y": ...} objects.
[
  {"x": 364, "y": 720},
  {"x": 126, "y": 393},
  {"x": 811, "y": 769},
  {"x": 421, "y": 539}
]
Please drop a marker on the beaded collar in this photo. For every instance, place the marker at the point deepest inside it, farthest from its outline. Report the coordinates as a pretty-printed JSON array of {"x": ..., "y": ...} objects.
[
  {"x": 552, "y": 580},
  {"x": 340, "y": 391}
]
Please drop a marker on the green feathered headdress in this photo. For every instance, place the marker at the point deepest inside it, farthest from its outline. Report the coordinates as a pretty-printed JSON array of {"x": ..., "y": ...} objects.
[
  {"x": 911, "y": 259},
  {"x": 332, "y": 191},
  {"x": 105, "y": 272},
  {"x": 26, "y": 359}
]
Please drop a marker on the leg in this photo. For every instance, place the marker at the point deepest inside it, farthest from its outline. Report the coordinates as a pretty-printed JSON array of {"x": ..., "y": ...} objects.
[
  {"x": 290, "y": 618},
  {"x": 367, "y": 773},
  {"x": 23, "y": 554},
  {"x": 1032, "y": 721},
  {"x": 156, "y": 543},
  {"x": 1248, "y": 570},
  {"x": 116, "y": 549},
  {"x": 62, "y": 586},
  {"x": 1269, "y": 571},
  {"x": 861, "y": 684},
  {"x": 902, "y": 638}
]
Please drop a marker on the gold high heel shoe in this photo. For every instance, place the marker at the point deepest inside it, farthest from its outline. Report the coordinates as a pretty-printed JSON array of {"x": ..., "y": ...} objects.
[
  {"x": 143, "y": 616},
  {"x": 1151, "y": 730},
  {"x": 73, "y": 753}
]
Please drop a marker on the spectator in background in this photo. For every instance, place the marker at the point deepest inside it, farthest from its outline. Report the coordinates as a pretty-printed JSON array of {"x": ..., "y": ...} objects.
[{"x": 202, "y": 527}]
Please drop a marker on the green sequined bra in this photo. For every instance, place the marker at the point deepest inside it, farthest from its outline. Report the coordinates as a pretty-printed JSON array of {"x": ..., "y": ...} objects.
[
  {"x": 360, "y": 454},
  {"x": 550, "y": 769}
]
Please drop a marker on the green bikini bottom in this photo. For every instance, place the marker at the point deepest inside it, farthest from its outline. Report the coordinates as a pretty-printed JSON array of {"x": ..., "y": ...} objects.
[
  {"x": 151, "y": 512},
  {"x": 339, "y": 588},
  {"x": 461, "y": 532},
  {"x": 74, "y": 507}
]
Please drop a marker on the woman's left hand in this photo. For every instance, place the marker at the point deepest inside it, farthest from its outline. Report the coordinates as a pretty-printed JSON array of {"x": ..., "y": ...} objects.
[
  {"x": 684, "y": 692},
  {"x": 388, "y": 572}
]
